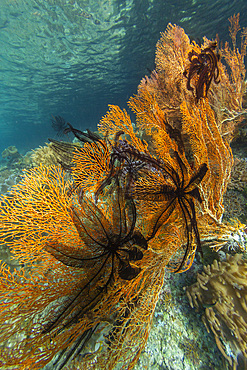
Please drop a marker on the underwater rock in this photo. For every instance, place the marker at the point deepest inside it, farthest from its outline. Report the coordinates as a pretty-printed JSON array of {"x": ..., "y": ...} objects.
[
  {"x": 9, "y": 178},
  {"x": 10, "y": 152},
  {"x": 11, "y": 155}
]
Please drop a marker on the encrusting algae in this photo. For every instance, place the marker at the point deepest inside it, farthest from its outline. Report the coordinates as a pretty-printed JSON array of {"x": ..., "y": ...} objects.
[{"x": 93, "y": 247}]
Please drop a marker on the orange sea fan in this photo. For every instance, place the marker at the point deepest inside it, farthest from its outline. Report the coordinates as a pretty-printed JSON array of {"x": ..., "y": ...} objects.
[
  {"x": 168, "y": 85},
  {"x": 226, "y": 98},
  {"x": 173, "y": 46},
  {"x": 26, "y": 299},
  {"x": 118, "y": 120},
  {"x": 200, "y": 140},
  {"x": 208, "y": 146},
  {"x": 90, "y": 164},
  {"x": 38, "y": 203},
  {"x": 42, "y": 309},
  {"x": 152, "y": 120}
]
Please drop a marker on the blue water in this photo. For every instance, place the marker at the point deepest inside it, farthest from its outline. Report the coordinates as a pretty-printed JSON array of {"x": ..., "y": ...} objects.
[{"x": 73, "y": 58}]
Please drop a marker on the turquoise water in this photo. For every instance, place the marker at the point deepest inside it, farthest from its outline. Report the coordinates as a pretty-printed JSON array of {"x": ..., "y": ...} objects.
[{"x": 73, "y": 58}]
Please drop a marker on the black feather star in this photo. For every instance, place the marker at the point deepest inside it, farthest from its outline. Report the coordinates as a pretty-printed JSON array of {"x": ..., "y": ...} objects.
[
  {"x": 204, "y": 67},
  {"x": 109, "y": 248},
  {"x": 125, "y": 163},
  {"x": 59, "y": 125},
  {"x": 172, "y": 189}
]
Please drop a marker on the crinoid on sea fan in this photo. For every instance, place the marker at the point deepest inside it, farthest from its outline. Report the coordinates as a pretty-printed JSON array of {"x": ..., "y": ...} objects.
[
  {"x": 204, "y": 69},
  {"x": 95, "y": 238}
]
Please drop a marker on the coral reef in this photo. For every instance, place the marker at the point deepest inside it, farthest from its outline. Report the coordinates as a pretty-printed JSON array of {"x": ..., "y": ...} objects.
[
  {"x": 94, "y": 247},
  {"x": 8, "y": 179},
  {"x": 222, "y": 290},
  {"x": 178, "y": 339},
  {"x": 11, "y": 173}
]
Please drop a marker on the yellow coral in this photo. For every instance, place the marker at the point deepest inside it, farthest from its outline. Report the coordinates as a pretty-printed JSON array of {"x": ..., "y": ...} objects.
[
  {"x": 222, "y": 290},
  {"x": 44, "y": 155}
]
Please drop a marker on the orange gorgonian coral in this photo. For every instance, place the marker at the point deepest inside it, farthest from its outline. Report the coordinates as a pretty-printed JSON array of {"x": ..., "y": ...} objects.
[{"x": 93, "y": 251}]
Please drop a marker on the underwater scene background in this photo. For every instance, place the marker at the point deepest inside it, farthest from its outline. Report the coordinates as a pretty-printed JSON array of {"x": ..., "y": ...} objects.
[{"x": 155, "y": 172}]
